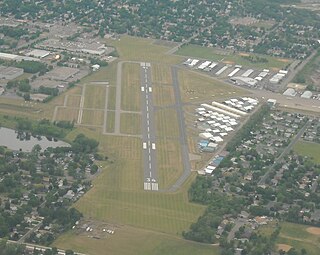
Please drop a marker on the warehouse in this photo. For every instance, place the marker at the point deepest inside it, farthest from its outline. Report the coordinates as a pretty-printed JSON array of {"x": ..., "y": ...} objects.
[
  {"x": 10, "y": 73},
  {"x": 38, "y": 53},
  {"x": 307, "y": 94},
  {"x": 13, "y": 57},
  {"x": 290, "y": 92}
]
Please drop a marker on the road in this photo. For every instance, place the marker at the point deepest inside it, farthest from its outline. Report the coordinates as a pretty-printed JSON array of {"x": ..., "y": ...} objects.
[
  {"x": 31, "y": 247},
  {"x": 285, "y": 152},
  {"x": 182, "y": 131},
  {"x": 148, "y": 129}
]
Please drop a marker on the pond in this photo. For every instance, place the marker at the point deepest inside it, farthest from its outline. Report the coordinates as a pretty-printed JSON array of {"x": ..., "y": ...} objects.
[{"x": 23, "y": 141}]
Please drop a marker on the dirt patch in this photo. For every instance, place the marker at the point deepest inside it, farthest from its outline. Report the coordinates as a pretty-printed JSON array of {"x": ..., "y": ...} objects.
[
  {"x": 284, "y": 247},
  {"x": 283, "y": 60},
  {"x": 313, "y": 230},
  {"x": 228, "y": 62},
  {"x": 244, "y": 54}
]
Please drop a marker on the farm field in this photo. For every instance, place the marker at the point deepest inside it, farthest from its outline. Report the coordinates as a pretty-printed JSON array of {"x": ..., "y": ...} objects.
[
  {"x": 309, "y": 149},
  {"x": 137, "y": 241},
  {"x": 210, "y": 54},
  {"x": 131, "y": 92},
  {"x": 209, "y": 90}
]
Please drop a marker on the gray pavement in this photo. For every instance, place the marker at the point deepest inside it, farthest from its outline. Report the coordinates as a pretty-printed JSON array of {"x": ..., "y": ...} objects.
[
  {"x": 182, "y": 131},
  {"x": 148, "y": 129}
]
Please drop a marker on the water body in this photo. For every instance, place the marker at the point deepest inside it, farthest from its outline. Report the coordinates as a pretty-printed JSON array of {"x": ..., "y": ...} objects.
[{"x": 25, "y": 142}]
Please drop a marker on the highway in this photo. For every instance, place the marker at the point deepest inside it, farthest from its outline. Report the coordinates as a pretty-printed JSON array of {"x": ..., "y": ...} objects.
[{"x": 148, "y": 130}]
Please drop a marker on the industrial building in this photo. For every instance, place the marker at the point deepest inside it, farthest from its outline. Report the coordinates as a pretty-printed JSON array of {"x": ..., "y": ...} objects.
[
  {"x": 307, "y": 94},
  {"x": 10, "y": 73},
  {"x": 18, "y": 58},
  {"x": 38, "y": 53},
  {"x": 290, "y": 92}
]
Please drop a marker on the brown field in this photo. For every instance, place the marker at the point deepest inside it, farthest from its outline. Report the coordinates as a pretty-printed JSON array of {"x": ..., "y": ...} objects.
[
  {"x": 93, "y": 117},
  {"x": 130, "y": 123},
  {"x": 163, "y": 95},
  {"x": 73, "y": 100},
  {"x": 161, "y": 74},
  {"x": 169, "y": 161},
  {"x": 284, "y": 247},
  {"x": 313, "y": 230},
  {"x": 131, "y": 92},
  {"x": 69, "y": 114},
  {"x": 167, "y": 123},
  {"x": 95, "y": 97},
  {"x": 112, "y": 98},
  {"x": 110, "y": 122},
  {"x": 210, "y": 89}
]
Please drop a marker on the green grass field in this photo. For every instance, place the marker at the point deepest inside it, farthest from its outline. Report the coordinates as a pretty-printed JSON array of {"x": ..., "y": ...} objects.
[
  {"x": 142, "y": 49},
  {"x": 132, "y": 241},
  {"x": 309, "y": 149},
  {"x": 211, "y": 54},
  {"x": 93, "y": 117},
  {"x": 69, "y": 114},
  {"x": 161, "y": 74},
  {"x": 296, "y": 236},
  {"x": 166, "y": 121},
  {"x": 110, "y": 121},
  {"x": 112, "y": 98},
  {"x": 95, "y": 97},
  {"x": 73, "y": 100},
  {"x": 131, "y": 92},
  {"x": 163, "y": 95},
  {"x": 130, "y": 123},
  {"x": 197, "y": 87},
  {"x": 169, "y": 162}
]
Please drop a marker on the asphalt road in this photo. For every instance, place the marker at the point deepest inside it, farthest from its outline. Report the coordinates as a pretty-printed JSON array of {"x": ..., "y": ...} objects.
[
  {"x": 148, "y": 130},
  {"x": 182, "y": 131}
]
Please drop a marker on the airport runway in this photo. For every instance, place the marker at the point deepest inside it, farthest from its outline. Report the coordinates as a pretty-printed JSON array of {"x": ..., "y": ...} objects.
[{"x": 148, "y": 130}]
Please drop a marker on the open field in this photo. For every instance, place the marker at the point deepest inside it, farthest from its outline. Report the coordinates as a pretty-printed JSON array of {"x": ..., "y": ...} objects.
[
  {"x": 93, "y": 117},
  {"x": 210, "y": 54},
  {"x": 110, "y": 122},
  {"x": 210, "y": 89},
  {"x": 95, "y": 97},
  {"x": 130, "y": 123},
  {"x": 163, "y": 95},
  {"x": 112, "y": 98},
  {"x": 309, "y": 149},
  {"x": 73, "y": 100},
  {"x": 131, "y": 92},
  {"x": 117, "y": 195},
  {"x": 161, "y": 74},
  {"x": 166, "y": 122},
  {"x": 169, "y": 161},
  {"x": 18, "y": 107},
  {"x": 142, "y": 49},
  {"x": 137, "y": 241},
  {"x": 296, "y": 236},
  {"x": 69, "y": 114}
]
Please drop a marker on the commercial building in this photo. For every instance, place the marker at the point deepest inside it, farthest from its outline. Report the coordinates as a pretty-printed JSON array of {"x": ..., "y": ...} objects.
[
  {"x": 10, "y": 73},
  {"x": 307, "y": 94},
  {"x": 38, "y": 53}
]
